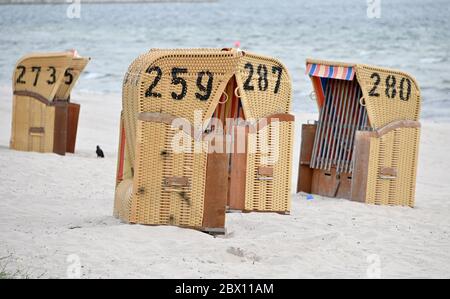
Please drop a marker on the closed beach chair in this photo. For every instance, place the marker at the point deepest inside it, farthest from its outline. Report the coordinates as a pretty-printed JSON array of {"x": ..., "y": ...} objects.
[
  {"x": 188, "y": 94},
  {"x": 44, "y": 119}
]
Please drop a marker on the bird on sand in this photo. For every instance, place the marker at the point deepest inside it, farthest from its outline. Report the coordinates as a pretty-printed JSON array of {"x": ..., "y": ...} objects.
[{"x": 99, "y": 152}]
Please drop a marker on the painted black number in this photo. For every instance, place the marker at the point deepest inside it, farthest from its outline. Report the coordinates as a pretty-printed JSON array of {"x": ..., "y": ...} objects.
[
  {"x": 207, "y": 90},
  {"x": 36, "y": 69},
  {"x": 178, "y": 80},
  {"x": 390, "y": 86},
  {"x": 52, "y": 75},
  {"x": 22, "y": 73},
  {"x": 263, "y": 83},
  {"x": 150, "y": 92},
  {"x": 373, "y": 92},
  {"x": 402, "y": 89},
  {"x": 69, "y": 76},
  {"x": 279, "y": 70},
  {"x": 247, "y": 83}
]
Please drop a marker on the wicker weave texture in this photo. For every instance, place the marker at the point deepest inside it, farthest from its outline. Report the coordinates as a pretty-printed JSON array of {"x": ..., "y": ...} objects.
[
  {"x": 391, "y": 95},
  {"x": 123, "y": 199},
  {"x": 270, "y": 147},
  {"x": 153, "y": 201},
  {"x": 260, "y": 97},
  {"x": 264, "y": 86},
  {"x": 398, "y": 150},
  {"x": 131, "y": 100},
  {"x": 395, "y": 97},
  {"x": 142, "y": 74}
]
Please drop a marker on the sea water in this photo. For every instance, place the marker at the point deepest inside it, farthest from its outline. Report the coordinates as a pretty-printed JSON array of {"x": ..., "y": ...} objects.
[{"x": 411, "y": 35}]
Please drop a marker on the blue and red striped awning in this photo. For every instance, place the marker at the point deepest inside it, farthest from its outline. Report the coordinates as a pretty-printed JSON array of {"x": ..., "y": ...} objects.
[{"x": 327, "y": 71}]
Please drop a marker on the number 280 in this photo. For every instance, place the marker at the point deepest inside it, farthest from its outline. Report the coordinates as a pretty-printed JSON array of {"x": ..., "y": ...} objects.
[{"x": 404, "y": 88}]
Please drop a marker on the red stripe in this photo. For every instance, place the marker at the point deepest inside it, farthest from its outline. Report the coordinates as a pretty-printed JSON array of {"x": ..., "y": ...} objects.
[
  {"x": 319, "y": 91},
  {"x": 219, "y": 109},
  {"x": 316, "y": 71},
  {"x": 353, "y": 74},
  {"x": 327, "y": 71},
  {"x": 234, "y": 104},
  {"x": 308, "y": 68},
  {"x": 121, "y": 153}
]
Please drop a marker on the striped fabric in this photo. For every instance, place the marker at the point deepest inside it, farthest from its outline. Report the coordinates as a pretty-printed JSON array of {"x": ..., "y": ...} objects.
[
  {"x": 326, "y": 71},
  {"x": 340, "y": 117}
]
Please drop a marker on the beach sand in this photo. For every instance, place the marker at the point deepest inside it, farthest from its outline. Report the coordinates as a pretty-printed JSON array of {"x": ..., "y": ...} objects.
[{"x": 56, "y": 212}]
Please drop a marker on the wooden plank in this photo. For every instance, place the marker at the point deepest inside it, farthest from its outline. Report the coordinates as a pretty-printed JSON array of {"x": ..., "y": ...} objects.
[
  {"x": 213, "y": 230},
  {"x": 72, "y": 126},
  {"x": 37, "y": 130},
  {"x": 277, "y": 117},
  {"x": 305, "y": 173},
  {"x": 13, "y": 123},
  {"x": 396, "y": 125},
  {"x": 33, "y": 123},
  {"x": 388, "y": 173},
  {"x": 267, "y": 120},
  {"x": 176, "y": 181},
  {"x": 344, "y": 189},
  {"x": 36, "y": 120},
  {"x": 34, "y": 95},
  {"x": 238, "y": 174},
  {"x": 49, "y": 128},
  {"x": 20, "y": 138},
  {"x": 216, "y": 190},
  {"x": 121, "y": 154},
  {"x": 330, "y": 184},
  {"x": 168, "y": 119},
  {"x": 60, "y": 130},
  {"x": 323, "y": 183},
  {"x": 361, "y": 166},
  {"x": 266, "y": 171}
]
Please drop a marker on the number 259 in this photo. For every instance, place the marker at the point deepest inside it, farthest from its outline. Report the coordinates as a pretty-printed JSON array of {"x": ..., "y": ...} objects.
[{"x": 204, "y": 90}]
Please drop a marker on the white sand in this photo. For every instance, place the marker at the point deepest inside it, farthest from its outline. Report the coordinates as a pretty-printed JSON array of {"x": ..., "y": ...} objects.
[{"x": 52, "y": 207}]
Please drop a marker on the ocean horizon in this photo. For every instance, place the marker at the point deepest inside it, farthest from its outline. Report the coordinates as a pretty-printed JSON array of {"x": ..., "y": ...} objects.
[{"x": 413, "y": 36}]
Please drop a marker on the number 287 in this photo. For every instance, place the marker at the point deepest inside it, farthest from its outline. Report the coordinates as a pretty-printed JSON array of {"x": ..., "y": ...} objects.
[{"x": 205, "y": 80}]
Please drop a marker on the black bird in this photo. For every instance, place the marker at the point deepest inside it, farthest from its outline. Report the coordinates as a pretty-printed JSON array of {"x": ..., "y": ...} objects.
[{"x": 99, "y": 152}]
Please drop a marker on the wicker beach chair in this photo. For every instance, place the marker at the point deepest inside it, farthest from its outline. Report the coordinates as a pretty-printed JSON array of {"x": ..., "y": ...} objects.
[
  {"x": 158, "y": 185},
  {"x": 364, "y": 147},
  {"x": 44, "y": 119}
]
